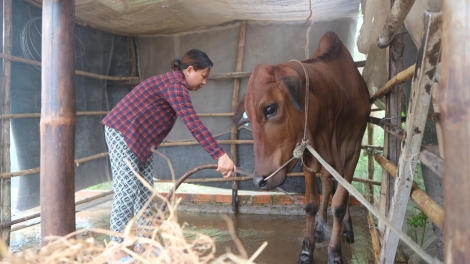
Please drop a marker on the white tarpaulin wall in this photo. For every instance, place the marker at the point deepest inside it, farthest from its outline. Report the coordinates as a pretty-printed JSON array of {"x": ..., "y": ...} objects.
[{"x": 265, "y": 42}]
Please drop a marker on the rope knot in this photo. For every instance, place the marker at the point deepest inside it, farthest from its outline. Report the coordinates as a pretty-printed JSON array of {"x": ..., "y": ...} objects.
[{"x": 300, "y": 148}]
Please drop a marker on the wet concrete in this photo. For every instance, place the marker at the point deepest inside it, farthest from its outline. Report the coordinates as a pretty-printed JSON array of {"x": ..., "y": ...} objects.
[{"x": 283, "y": 233}]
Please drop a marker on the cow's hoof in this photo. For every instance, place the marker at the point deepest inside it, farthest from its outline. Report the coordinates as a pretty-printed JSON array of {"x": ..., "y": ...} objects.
[
  {"x": 348, "y": 233},
  {"x": 335, "y": 258},
  {"x": 306, "y": 255},
  {"x": 348, "y": 236},
  {"x": 319, "y": 233}
]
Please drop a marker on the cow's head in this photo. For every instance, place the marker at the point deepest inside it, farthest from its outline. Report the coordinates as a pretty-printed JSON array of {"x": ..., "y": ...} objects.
[{"x": 274, "y": 108}]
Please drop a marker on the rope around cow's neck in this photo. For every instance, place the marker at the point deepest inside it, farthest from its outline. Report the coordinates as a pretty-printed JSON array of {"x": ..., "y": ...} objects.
[{"x": 300, "y": 147}]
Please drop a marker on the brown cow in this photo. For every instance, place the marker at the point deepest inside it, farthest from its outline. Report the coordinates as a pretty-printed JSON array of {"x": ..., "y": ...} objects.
[{"x": 338, "y": 110}]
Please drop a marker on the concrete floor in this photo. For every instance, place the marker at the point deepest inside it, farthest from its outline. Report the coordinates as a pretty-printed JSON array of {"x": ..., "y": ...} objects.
[{"x": 283, "y": 232}]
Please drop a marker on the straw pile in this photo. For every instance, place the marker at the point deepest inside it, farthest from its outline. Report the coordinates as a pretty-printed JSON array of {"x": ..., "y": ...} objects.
[{"x": 164, "y": 241}]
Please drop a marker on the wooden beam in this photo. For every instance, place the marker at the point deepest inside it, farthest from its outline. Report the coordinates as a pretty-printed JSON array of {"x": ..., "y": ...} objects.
[
  {"x": 370, "y": 161},
  {"x": 393, "y": 113},
  {"x": 433, "y": 210},
  {"x": 58, "y": 118},
  {"x": 416, "y": 121},
  {"x": 82, "y": 73},
  {"x": 5, "y": 198},
  {"x": 392, "y": 129},
  {"x": 432, "y": 161},
  {"x": 400, "y": 10},
  {"x": 454, "y": 98}
]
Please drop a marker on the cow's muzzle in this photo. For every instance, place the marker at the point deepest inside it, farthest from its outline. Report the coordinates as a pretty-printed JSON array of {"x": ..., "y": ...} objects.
[
  {"x": 271, "y": 183},
  {"x": 260, "y": 182}
]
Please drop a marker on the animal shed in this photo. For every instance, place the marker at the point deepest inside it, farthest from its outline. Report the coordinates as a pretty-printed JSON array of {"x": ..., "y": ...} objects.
[{"x": 119, "y": 43}]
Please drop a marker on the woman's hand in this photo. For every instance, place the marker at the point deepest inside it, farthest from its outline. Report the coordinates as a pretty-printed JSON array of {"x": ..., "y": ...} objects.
[{"x": 226, "y": 166}]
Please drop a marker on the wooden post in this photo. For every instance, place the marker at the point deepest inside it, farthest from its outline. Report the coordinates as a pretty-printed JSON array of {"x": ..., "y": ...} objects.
[
  {"x": 393, "y": 111},
  {"x": 455, "y": 116},
  {"x": 398, "y": 13},
  {"x": 415, "y": 122},
  {"x": 235, "y": 98},
  {"x": 57, "y": 124},
  {"x": 132, "y": 56},
  {"x": 437, "y": 110},
  {"x": 5, "y": 162},
  {"x": 370, "y": 161}
]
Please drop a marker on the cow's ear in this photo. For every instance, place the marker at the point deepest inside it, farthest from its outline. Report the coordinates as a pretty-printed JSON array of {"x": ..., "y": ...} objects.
[
  {"x": 238, "y": 115},
  {"x": 293, "y": 84}
]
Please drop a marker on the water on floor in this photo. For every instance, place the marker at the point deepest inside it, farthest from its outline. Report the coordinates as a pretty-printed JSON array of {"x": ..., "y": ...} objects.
[{"x": 282, "y": 232}]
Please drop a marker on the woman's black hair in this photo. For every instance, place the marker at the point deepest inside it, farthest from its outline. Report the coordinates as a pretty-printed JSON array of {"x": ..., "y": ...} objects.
[{"x": 196, "y": 58}]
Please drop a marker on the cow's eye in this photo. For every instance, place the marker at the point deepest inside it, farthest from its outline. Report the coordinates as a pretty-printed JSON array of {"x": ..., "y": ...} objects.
[{"x": 270, "y": 110}]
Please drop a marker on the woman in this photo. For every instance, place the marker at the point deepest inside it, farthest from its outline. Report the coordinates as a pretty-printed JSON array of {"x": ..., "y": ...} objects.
[{"x": 142, "y": 120}]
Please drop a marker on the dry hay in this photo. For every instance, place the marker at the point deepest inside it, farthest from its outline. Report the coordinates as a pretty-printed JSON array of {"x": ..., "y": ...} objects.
[{"x": 164, "y": 236}]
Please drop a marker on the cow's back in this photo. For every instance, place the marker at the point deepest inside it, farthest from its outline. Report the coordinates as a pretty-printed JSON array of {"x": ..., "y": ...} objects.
[{"x": 341, "y": 98}]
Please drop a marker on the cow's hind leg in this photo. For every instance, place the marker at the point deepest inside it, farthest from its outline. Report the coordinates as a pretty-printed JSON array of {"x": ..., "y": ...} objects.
[
  {"x": 348, "y": 233},
  {"x": 321, "y": 225},
  {"x": 339, "y": 208},
  {"x": 312, "y": 202}
]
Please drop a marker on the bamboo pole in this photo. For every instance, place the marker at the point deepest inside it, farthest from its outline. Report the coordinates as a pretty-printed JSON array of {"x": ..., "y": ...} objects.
[
  {"x": 245, "y": 178},
  {"x": 235, "y": 99},
  {"x": 432, "y": 209},
  {"x": 26, "y": 218},
  {"x": 372, "y": 147},
  {"x": 104, "y": 154},
  {"x": 230, "y": 75},
  {"x": 194, "y": 142},
  {"x": 375, "y": 237},
  {"x": 5, "y": 162},
  {"x": 400, "y": 78},
  {"x": 78, "y": 72},
  {"x": 91, "y": 113},
  {"x": 90, "y": 158},
  {"x": 132, "y": 56}
]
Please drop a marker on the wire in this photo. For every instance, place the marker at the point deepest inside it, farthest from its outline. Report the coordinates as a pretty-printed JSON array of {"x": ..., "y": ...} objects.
[{"x": 30, "y": 42}]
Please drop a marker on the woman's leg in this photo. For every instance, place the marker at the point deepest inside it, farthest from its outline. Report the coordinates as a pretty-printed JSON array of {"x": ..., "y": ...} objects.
[
  {"x": 144, "y": 194},
  {"x": 124, "y": 181}
]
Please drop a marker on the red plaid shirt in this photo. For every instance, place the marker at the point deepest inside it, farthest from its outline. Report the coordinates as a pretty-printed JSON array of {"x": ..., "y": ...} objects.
[{"x": 146, "y": 115}]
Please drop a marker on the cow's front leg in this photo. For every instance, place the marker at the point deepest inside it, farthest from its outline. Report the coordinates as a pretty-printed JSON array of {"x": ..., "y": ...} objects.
[
  {"x": 322, "y": 225},
  {"x": 312, "y": 202},
  {"x": 348, "y": 233},
  {"x": 339, "y": 208}
]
